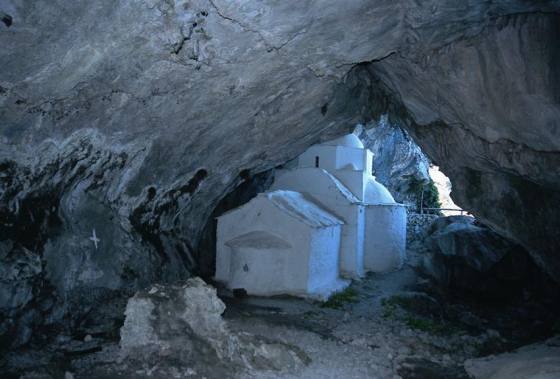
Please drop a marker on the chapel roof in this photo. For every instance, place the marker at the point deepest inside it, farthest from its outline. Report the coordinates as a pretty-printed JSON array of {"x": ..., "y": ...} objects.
[
  {"x": 342, "y": 188},
  {"x": 297, "y": 206},
  {"x": 349, "y": 140},
  {"x": 308, "y": 172},
  {"x": 377, "y": 193}
]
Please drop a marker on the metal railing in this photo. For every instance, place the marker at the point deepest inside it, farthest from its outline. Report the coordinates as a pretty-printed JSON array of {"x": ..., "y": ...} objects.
[{"x": 462, "y": 211}]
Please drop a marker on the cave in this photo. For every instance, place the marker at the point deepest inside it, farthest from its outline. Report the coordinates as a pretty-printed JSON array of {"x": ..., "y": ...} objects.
[{"x": 127, "y": 128}]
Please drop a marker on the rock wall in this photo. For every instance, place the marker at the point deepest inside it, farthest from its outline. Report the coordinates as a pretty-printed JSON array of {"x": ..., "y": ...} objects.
[
  {"x": 416, "y": 227},
  {"x": 469, "y": 258},
  {"x": 487, "y": 111},
  {"x": 398, "y": 162},
  {"x": 136, "y": 118}
]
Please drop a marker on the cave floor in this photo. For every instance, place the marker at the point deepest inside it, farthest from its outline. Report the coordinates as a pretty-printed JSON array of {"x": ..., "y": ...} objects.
[
  {"x": 387, "y": 327},
  {"x": 393, "y": 325},
  {"x": 362, "y": 337}
]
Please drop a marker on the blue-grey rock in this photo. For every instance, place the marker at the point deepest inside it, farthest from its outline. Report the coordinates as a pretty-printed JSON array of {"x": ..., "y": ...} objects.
[
  {"x": 472, "y": 259},
  {"x": 135, "y": 118},
  {"x": 398, "y": 162}
]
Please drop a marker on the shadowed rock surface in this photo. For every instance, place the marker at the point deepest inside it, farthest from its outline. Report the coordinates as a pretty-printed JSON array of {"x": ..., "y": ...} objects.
[
  {"x": 540, "y": 360},
  {"x": 486, "y": 110},
  {"x": 398, "y": 162},
  {"x": 471, "y": 258},
  {"x": 133, "y": 119}
]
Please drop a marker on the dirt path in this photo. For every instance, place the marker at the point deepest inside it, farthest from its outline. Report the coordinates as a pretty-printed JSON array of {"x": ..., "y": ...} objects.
[
  {"x": 364, "y": 335},
  {"x": 394, "y": 325}
]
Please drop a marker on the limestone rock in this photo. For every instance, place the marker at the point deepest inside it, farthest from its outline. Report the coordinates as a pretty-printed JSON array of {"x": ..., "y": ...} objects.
[
  {"x": 398, "y": 162},
  {"x": 137, "y": 117},
  {"x": 471, "y": 258},
  {"x": 540, "y": 360},
  {"x": 418, "y": 368},
  {"x": 483, "y": 110},
  {"x": 444, "y": 187},
  {"x": 417, "y": 226},
  {"x": 21, "y": 273},
  {"x": 184, "y": 324}
]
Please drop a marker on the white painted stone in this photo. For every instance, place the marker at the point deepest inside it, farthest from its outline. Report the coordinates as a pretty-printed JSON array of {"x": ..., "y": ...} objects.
[
  {"x": 324, "y": 189},
  {"x": 349, "y": 140},
  {"x": 325, "y": 218},
  {"x": 385, "y": 237},
  {"x": 374, "y": 233},
  {"x": 279, "y": 243},
  {"x": 376, "y": 193}
]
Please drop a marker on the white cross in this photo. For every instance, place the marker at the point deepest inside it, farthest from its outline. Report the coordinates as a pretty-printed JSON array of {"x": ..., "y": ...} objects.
[{"x": 94, "y": 239}]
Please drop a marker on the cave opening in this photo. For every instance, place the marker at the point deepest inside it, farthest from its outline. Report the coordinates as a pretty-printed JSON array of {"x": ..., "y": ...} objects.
[
  {"x": 467, "y": 276},
  {"x": 120, "y": 156}
]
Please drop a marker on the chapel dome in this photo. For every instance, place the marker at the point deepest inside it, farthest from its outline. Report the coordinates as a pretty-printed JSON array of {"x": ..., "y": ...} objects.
[
  {"x": 349, "y": 140},
  {"x": 376, "y": 193}
]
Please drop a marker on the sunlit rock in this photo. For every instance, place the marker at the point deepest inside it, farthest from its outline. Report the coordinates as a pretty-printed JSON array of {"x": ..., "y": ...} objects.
[
  {"x": 398, "y": 162},
  {"x": 182, "y": 325}
]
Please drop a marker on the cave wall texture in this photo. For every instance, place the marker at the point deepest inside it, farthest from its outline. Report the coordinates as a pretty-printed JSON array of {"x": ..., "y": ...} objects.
[
  {"x": 398, "y": 162},
  {"x": 134, "y": 118}
]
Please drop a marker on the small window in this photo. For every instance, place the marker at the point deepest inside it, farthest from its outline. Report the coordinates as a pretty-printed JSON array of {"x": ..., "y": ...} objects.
[{"x": 316, "y": 161}]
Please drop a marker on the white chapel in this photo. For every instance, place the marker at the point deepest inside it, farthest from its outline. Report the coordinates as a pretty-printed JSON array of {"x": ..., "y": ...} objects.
[{"x": 336, "y": 177}]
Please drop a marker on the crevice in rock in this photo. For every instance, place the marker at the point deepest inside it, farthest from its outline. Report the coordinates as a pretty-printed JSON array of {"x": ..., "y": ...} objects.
[
  {"x": 177, "y": 47},
  {"x": 239, "y": 23},
  {"x": 194, "y": 182},
  {"x": 245, "y": 174},
  {"x": 324, "y": 109},
  {"x": 6, "y": 19},
  {"x": 269, "y": 46}
]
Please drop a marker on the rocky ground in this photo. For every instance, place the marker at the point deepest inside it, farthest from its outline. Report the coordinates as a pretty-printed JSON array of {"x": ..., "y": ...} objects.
[
  {"x": 394, "y": 325},
  {"x": 389, "y": 326}
]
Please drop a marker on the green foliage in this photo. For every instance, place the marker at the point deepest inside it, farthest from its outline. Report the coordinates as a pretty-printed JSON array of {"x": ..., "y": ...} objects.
[
  {"x": 430, "y": 199},
  {"x": 310, "y": 314},
  {"x": 425, "y": 325},
  {"x": 403, "y": 302},
  {"x": 394, "y": 308},
  {"x": 389, "y": 308},
  {"x": 337, "y": 300}
]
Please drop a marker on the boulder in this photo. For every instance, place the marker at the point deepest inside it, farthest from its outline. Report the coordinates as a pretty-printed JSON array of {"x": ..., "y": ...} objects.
[
  {"x": 183, "y": 323},
  {"x": 537, "y": 361},
  {"x": 471, "y": 258},
  {"x": 421, "y": 368}
]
